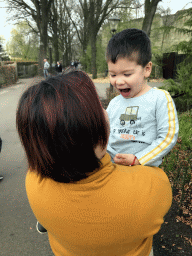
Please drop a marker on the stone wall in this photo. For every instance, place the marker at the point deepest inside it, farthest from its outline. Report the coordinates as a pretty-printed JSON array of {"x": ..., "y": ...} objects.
[{"x": 162, "y": 38}]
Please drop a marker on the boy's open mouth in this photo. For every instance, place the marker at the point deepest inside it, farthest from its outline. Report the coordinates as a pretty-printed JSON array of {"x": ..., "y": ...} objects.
[{"x": 125, "y": 90}]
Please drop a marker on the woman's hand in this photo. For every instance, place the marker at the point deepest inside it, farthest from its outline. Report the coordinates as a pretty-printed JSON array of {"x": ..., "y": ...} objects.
[{"x": 126, "y": 159}]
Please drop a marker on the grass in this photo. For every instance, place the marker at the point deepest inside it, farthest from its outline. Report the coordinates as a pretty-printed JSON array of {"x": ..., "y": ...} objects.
[{"x": 185, "y": 128}]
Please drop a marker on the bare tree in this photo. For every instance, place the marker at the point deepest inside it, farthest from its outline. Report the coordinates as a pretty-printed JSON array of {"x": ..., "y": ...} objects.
[
  {"x": 93, "y": 14},
  {"x": 53, "y": 27},
  {"x": 61, "y": 30},
  {"x": 150, "y": 8},
  {"x": 132, "y": 5},
  {"x": 80, "y": 22},
  {"x": 37, "y": 11}
]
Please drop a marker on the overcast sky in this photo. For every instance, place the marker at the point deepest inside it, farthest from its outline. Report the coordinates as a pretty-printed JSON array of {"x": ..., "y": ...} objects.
[{"x": 5, "y": 28}]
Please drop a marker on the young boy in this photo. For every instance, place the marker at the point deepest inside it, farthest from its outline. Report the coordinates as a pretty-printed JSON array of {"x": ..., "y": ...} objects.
[{"x": 143, "y": 120}]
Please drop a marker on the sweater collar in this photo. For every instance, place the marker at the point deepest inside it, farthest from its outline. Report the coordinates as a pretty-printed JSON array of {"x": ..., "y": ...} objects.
[{"x": 97, "y": 179}]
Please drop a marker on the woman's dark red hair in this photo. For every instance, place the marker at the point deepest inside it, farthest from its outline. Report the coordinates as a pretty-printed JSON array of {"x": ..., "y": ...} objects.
[{"x": 60, "y": 121}]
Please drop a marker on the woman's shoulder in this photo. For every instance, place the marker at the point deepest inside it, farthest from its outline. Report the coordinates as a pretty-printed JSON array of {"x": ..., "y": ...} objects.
[{"x": 142, "y": 178}]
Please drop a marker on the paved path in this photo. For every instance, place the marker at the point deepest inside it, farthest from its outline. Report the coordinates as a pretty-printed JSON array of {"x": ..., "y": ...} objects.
[{"x": 18, "y": 236}]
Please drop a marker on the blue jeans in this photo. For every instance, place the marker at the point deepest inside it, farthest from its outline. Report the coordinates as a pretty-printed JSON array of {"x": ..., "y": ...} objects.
[
  {"x": 46, "y": 73},
  {"x": 151, "y": 253}
]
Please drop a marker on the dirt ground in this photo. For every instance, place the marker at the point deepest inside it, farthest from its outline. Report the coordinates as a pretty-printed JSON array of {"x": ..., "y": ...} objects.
[{"x": 174, "y": 237}]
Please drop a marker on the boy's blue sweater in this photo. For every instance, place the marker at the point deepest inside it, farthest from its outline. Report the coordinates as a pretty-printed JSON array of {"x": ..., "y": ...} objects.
[{"x": 145, "y": 126}]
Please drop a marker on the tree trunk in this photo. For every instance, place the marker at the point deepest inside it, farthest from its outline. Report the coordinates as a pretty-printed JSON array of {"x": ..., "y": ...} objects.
[
  {"x": 93, "y": 55},
  {"x": 41, "y": 57},
  {"x": 150, "y": 9},
  {"x": 42, "y": 19},
  {"x": 55, "y": 31},
  {"x": 93, "y": 38},
  {"x": 56, "y": 49}
]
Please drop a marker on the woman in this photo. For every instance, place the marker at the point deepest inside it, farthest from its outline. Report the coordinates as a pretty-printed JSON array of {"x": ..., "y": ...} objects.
[
  {"x": 88, "y": 205},
  {"x": 58, "y": 67}
]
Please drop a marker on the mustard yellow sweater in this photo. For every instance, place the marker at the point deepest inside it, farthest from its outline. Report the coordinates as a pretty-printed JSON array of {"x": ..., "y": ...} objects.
[{"x": 114, "y": 212}]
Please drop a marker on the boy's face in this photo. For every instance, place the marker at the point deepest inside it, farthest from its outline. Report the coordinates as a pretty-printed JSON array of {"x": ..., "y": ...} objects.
[{"x": 128, "y": 77}]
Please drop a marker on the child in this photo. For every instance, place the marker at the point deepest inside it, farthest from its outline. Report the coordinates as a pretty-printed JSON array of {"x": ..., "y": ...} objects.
[{"x": 143, "y": 120}]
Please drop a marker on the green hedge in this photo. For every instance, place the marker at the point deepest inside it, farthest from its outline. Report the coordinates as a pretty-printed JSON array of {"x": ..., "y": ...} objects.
[{"x": 7, "y": 75}]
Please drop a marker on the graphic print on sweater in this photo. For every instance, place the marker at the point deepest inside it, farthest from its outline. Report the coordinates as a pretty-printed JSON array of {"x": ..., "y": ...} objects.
[
  {"x": 129, "y": 115},
  {"x": 129, "y": 119}
]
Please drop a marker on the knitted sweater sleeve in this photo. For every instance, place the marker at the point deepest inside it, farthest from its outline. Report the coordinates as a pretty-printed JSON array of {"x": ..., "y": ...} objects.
[{"x": 167, "y": 132}]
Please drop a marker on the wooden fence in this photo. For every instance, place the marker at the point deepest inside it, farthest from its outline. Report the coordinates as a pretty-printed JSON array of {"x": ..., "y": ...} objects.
[{"x": 170, "y": 64}]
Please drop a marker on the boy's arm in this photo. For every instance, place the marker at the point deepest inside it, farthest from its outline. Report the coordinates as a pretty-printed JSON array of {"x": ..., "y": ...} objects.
[{"x": 167, "y": 133}]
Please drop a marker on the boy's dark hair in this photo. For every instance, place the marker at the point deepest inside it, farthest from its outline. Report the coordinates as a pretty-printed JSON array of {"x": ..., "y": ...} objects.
[
  {"x": 133, "y": 44},
  {"x": 60, "y": 121}
]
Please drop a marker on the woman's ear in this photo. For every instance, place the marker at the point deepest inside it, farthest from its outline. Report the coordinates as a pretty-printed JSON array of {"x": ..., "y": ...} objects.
[{"x": 148, "y": 69}]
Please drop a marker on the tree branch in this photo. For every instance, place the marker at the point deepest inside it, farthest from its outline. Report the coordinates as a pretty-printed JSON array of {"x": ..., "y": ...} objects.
[{"x": 72, "y": 21}]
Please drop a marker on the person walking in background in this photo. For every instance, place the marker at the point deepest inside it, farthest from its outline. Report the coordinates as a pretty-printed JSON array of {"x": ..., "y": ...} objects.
[
  {"x": 88, "y": 205},
  {"x": 46, "y": 67},
  {"x": 58, "y": 68},
  {"x": 72, "y": 64},
  {"x": 76, "y": 63}
]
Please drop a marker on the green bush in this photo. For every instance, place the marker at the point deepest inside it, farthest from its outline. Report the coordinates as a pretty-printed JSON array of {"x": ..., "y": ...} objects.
[
  {"x": 7, "y": 75},
  {"x": 185, "y": 128},
  {"x": 183, "y": 104}
]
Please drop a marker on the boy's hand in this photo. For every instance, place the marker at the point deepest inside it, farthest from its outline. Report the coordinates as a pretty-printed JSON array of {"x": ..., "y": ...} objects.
[{"x": 125, "y": 159}]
